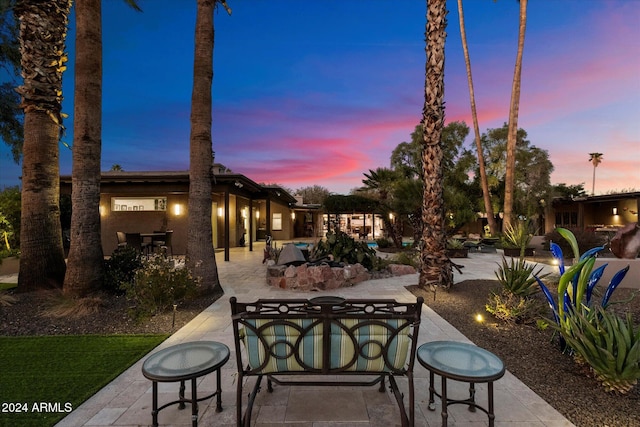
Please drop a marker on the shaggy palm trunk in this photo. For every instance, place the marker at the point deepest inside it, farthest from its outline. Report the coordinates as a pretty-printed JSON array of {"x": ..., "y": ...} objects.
[
  {"x": 43, "y": 29},
  {"x": 486, "y": 193},
  {"x": 435, "y": 269},
  {"x": 509, "y": 186},
  {"x": 85, "y": 266},
  {"x": 200, "y": 254}
]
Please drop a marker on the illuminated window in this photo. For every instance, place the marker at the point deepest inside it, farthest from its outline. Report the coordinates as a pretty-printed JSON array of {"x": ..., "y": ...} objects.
[
  {"x": 277, "y": 221},
  {"x": 138, "y": 204}
]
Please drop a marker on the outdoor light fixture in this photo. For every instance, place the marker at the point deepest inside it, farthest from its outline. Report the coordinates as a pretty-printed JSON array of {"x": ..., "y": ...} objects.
[
  {"x": 102, "y": 210},
  {"x": 177, "y": 209},
  {"x": 244, "y": 213},
  {"x": 257, "y": 214},
  {"x": 615, "y": 211},
  {"x": 293, "y": 215},
  {"x": 219, "y": 211},
  {"x": 479, "y": 318}
]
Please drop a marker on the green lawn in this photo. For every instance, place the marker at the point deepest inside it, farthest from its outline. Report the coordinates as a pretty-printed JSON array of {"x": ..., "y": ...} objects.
[
  {"x": 43, "y": 378},
  {"x": 4, "y": 286}
]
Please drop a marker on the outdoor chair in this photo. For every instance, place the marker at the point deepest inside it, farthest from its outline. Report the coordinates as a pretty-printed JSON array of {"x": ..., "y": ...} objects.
[
  {"x": 135, "y": 241},
  {"x": 163, "y": 243},
  {"x": 122, "y": 239}
]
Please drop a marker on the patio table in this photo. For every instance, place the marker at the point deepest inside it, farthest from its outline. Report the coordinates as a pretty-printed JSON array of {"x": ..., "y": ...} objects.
[
  {"x": 460, "y": 362},
  {"x": 182, "y": 362}
]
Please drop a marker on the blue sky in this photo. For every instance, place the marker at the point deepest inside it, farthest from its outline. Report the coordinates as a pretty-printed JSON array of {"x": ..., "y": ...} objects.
[{"x": 320, "y": 91}]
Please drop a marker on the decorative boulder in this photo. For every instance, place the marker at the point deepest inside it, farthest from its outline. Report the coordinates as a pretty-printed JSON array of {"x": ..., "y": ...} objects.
[{"x": 291, "y": 254}]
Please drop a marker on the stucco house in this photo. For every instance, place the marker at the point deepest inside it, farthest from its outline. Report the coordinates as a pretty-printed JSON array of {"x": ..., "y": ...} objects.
[
  {"x": 243, "y": 211},
  {"x": 598, "y": 213}
]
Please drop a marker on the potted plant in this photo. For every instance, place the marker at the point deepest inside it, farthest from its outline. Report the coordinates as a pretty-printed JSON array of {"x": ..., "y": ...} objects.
[
  {"x": 456, "y": 249},
  {"x": 515, "y": 241}
]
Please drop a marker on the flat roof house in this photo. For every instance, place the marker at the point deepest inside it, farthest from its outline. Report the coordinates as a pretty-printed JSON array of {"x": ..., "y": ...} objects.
[{"x": 144, "y": 202}]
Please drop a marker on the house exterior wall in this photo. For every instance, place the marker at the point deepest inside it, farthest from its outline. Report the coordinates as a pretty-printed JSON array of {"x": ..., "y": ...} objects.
[
  {"x": 285, "y": 231},
  {"x": 144, "y": 221}
]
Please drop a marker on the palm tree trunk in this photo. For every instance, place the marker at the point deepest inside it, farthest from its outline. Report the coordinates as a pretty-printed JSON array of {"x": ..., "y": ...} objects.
[
  {"x": 513, "y": 122},
  {"x": 200, "y": 254},
  {"x": 486, "y": 193},
  {"x": 435, "y": 269},
  {"x": 85, "y": 266},
  {"x": 43, "y": 27}
]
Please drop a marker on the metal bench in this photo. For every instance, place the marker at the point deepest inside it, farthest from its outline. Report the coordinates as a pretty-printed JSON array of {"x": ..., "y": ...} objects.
[{"x": 324, "y": 336}]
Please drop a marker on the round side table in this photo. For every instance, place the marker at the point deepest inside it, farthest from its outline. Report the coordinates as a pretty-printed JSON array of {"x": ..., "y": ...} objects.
[
  {"x": 460, "y": 362},
  {"x": 182, "y": 362}
]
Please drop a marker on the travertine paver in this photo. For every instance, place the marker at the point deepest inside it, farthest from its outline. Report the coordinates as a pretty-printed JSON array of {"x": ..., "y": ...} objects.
[{"x": 126, "y": 401}]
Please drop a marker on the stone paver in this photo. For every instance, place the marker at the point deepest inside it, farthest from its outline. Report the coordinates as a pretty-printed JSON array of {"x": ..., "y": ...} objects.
[{"x": 126, "y": 401}]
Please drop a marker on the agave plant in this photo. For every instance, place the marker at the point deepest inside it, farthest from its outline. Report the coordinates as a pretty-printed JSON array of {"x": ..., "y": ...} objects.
[
  {"x": 518, "y": 277},
  {"x": 608, "y": 343}
]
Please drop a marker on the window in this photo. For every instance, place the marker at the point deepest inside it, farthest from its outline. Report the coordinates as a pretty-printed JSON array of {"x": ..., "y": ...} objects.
[
  {"x": 277, "y": 221},
  {"x": 138, "y": 204}
]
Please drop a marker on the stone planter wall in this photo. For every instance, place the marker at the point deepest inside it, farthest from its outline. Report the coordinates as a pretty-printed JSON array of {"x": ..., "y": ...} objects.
[{"x": 323, "y": 277}]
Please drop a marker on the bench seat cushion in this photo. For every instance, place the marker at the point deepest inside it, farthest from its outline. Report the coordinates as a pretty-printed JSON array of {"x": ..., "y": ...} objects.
[{"x": 296, "y": 345}]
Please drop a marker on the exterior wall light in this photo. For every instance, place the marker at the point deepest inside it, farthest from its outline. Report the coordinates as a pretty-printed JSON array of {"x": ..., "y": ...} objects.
[
  {"x": 219, "y": 211},
  {"x": 257, "y": 214},
  {"x": 293, "y": 216},
  {"x": 615, "y": 211},
  {"x": 177, "y": 209}
]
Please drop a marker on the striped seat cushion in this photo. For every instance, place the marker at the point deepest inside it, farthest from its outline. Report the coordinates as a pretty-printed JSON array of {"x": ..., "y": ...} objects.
[{"x": 297, "y": 345}]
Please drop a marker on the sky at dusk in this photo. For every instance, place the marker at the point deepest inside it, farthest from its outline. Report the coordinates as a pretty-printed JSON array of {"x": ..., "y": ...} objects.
[{"x": 317, "y": 92}]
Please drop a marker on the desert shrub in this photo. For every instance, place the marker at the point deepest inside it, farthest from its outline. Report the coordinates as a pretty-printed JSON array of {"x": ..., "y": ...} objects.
[
  {"x": 62, "y": 306},
  {"x": 411, "y": 258},
  {"x": 585, "y": 239},
  {"x": 510, "y": 307},
  {"x": 383, "y": 243},
  {"x": 514, "y": 301},
  {"x": 121, "y": 268},
  {"x": 158, "y": 285},
  {"x": 344, "y": 248},
  {"x": 455, "y": 244}
]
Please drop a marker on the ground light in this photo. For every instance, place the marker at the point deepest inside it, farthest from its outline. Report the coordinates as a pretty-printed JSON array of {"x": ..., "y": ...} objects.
[{"x": 479, "y": 318}]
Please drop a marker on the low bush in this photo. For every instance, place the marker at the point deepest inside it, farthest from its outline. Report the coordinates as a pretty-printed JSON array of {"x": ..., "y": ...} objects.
[
  {"x": 585, "y": 239},
  {"x": 158, "y": 286},
  {"x": 410, "y": 257},
  {"x": 121, "y": 268},
  {"x": 344, "y": 248},
  {"x": 514, "y": 302},
  {"x": 510, "y": 307},
  {"x": 384, "y": 243}
]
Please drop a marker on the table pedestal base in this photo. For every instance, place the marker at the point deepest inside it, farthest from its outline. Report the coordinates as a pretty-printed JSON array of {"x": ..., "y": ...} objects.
[{"x": 182, "y": 401}]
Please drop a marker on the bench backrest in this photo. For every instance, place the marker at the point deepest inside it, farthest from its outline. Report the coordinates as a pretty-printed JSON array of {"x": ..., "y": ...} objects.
[{"x": 325, "y": 335}]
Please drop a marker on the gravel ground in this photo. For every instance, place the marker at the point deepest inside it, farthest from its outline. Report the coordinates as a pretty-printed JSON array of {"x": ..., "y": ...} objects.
[{"x": 534, "y": 357}]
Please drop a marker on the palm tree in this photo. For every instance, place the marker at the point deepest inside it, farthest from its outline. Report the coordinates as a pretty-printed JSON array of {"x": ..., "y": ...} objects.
[
  {"x": 595, "y": 159},
  {"x": 200, "y": 254},
  {"x": 43, "y": 30},
  {"x": 85, "y": 266},
  {"x": 435, "y": 269},
  {"x": 382, "y": 182},
  {"x": 513, "y": 122},
  {"x": 486, "y": 192}
]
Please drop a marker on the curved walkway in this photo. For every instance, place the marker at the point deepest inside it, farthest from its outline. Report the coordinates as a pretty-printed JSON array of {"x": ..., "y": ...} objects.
[{"x": 126, "y": 401}]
